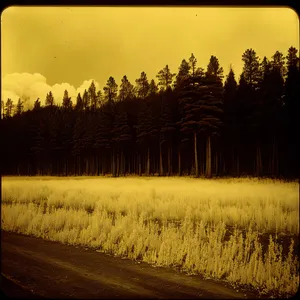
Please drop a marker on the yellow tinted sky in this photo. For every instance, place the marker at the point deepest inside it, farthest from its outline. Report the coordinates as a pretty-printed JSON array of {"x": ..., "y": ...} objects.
[{"x": 73, "y": 44}]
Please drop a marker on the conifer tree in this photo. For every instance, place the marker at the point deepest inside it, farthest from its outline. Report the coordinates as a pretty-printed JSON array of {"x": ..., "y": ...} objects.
[
  {"x": 142, "y": 86},
  {"x": 86, "y": 100},
  {"x": 126, "y": 89},
  {"x": 37, "y": 104},
  {"x": 93, "y": 96},
  {"x": 79, "y": 103},
  {"x": 251, "y": 70},
  {"x": 110, "y": 90},
  {"x": 66, "y": 102},
  {"x": 165, "y": 77},
  {"x": 183, "y": 73},
  {"x": 231, "y": 121},
  {"x": 291, "y": 108},
  {"x": 19, "y": 107},
  {"x": 8, "y": 110},
  {"x": 153, "y": 89},
  {"x": 49, "y": 99},
  {"x": 211, "y": 107}
]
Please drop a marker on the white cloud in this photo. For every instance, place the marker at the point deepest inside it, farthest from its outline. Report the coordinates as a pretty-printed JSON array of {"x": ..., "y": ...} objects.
[
  {"x": 59, "y": 89},
  {"x": 9, "y": 94},
  {"x": 29, "y": 87},
  {"x": 85, "y": 85}
]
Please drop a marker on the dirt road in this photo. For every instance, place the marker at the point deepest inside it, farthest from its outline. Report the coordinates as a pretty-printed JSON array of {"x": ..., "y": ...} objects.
[{"x": 34, "y": 267}]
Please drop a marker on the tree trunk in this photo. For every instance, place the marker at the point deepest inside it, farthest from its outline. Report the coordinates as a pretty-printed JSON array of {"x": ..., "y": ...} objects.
[
  {"x": 196, "y": 155},
  {"x": 123, "y": 164},
  {"x": 274, "y": 169},
  {"x": 97, "y": 165},
  {"x": 237, "y": 166},
  {"x": 79, "y": 165},
  {"x": 169, "y": 161},
  {"x": 148, "y": 162},
  {"x": 118, "y": 163},
  {"x": 276, "y": 158},
  {"x": 113, "y": 163},
  {"x": 87, "y": 166},
  {"x": 65, "y": 167},
  {"x": 122, "y": 169},
  {"x": 129, "y": 164},
  {"x": 208, "y": 157},
  {"x": 258, "y": 161},
  {"x": 217, "y": 163},
  {"x": 93, "y": 164},
  {"x": 161, "y": 170},
  {"x": 179, "y": 163},
  {"x": 153, "y": 164},
  {"x": 233, "y": 162},
  {"x": 140, "y": 164},
  {"x": 90, "y": 165},
  {"x": 103, "y": 165}
]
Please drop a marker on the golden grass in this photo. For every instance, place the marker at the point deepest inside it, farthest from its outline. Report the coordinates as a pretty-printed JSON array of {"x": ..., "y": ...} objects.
[{"x": 208, "y": 227}]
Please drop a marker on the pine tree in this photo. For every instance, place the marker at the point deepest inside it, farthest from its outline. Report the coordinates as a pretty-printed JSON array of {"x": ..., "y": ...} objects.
[
  {"x": 188, "y": 98},
  {"x": 165, "y": 77},
  {"x": 278, "y": 63},
  {"x": 121, "y": 137},
  {"x": 79, "y": 103},
  {"x": 49, "y": 99},
  {"x": 168, "y": 127},
  {"x": 86, "y": 100},
  {"x": 244, "y": 115},
  {"x": 231, "y": 121},
  {"x": 211, "y": 107},
  {"x": 292, "y": 106},
  {"x": 153, "y": 89},
  {"x": 88, "y": 143},
  {"x": 103, "y": 136},
  {"x": 253, "y": 76},
  {"x": 195, "y": 73},
  {"x": 271, "y": 92},
  {"x": 251, "y": 68},
  {"x": 19, "y": 107},
  {"x": 78, "y": 142},
  {"x": 110, "y": 90},
  {"x": 265, "y": 67},
  {"x": 66, "y": 102},
  {"x": 145, "y": 132},
  {"x": 183, "y": 73},
  {"x": 126, "y": 89},
  {"x": 99, "y": 99},
  {"x": 93, "y": 96},
  {"x": 2, "y": 109},
  {"x": 192, "y": 64},
  {"x": 8, "y": 108},
  {"x": 38, "y": 145},
  {"x": 37, "y": 104},
  {"x": 142, "y": 86}
]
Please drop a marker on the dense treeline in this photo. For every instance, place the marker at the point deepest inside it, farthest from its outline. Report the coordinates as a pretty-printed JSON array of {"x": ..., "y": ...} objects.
[{"x": 189, "y": 123}]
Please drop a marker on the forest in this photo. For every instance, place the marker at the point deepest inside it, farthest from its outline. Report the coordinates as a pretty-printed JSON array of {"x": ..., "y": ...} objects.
[{"x": 191, "y": 123}]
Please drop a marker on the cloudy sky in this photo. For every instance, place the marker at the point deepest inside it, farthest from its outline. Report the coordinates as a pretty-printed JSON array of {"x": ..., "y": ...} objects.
[{"x": 58, "y": 48}]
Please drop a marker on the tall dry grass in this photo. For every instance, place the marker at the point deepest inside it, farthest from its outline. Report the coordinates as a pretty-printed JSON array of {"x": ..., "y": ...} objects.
[{"x": 208, "y": 227}]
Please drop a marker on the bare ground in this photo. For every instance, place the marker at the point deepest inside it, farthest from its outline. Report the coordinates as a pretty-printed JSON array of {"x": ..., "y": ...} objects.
[{"x": 33, "y": 267}]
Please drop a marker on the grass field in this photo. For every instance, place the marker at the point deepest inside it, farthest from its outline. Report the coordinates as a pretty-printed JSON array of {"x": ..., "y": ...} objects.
[{"x": 243, "y": 231}]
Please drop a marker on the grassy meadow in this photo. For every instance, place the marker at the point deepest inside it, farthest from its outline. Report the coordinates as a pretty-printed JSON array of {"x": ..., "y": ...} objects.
[{"x": 242, "y": 231}]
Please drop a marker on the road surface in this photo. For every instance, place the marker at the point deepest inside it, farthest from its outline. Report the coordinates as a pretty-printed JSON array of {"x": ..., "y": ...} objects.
[{"x": 33, "y": 268}]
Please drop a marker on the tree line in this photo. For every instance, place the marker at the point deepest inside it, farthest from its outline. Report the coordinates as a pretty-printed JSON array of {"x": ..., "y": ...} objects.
[{"x": 189, "y": 123}]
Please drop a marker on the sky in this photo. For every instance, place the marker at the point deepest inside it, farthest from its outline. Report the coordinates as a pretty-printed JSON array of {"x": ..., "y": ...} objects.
[{"x": 58, "y": 48}]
